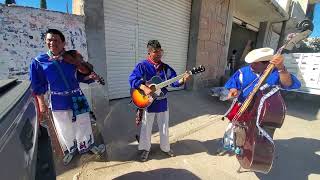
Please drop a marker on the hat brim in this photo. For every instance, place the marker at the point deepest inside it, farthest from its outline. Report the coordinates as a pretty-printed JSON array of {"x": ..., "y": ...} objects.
[
  {"x": 264, "y": 58},
  {"x": 261, "y": 54}
]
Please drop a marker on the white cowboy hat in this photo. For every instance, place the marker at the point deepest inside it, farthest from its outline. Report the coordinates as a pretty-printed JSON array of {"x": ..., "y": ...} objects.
[{"x": 261, "y": 54}]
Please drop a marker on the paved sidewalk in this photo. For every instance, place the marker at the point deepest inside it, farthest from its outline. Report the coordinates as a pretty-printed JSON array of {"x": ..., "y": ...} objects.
[{"x": 195, "y": 131}]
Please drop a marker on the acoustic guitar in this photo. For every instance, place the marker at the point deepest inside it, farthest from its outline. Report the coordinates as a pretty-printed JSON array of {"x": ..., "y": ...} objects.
[{"x": 141, "y": 100}]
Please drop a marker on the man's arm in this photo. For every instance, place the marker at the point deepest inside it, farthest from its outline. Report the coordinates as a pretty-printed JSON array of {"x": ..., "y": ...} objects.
[
  {"x": 42, "y": 104},
  {"x": 233, "y": 85},
  {"x": 285, "y": 76},
  {"x": 137, "y": 81}
]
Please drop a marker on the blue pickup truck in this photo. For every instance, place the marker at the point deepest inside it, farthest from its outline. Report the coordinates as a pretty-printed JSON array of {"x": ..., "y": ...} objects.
[{"x": 18, "y": 130}]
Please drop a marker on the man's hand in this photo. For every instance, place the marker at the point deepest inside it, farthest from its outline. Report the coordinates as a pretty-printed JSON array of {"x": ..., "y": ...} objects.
[
  {"x": 44, "y": 111},
  {"x": 94, "y": 76},
  {"x": 233, "y": 93},
  {"x": 277, "y": 60},
  {"x": 145, "y": 89},
  {"x": 43, "y": 108},
  {"x": 185, "y": 78}
]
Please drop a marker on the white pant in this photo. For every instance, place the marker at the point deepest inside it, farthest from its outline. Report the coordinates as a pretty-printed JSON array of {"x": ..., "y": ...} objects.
[
  {"x": 70, "y": 132},
  {"x": 146, "y": 130}
]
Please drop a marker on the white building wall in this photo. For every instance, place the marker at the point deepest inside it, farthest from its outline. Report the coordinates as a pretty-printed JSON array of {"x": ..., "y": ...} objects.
[
  {"x": 306, "y": 67},
  {"x": 22, "y": 36}
]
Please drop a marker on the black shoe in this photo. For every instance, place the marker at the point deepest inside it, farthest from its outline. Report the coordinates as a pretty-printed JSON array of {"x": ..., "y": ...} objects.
[
  {"x": 144, "y": 155},
  {"x": 98, "y": 150},
  {"x": 169, "y": 153}
]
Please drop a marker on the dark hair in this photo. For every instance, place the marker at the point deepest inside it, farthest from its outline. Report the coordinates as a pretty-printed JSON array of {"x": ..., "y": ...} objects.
[
  {"x": 234, "y": 51},
  {"x": 57, "y": 32},
  {"x": 153, "y": 44}
]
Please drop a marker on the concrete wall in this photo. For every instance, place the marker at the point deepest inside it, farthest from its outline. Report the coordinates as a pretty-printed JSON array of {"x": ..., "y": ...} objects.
[
  {"x": 209, "y": 39},
  {"x": 95, "y": 31},
  {"x": 22, "y": 36},
  {"x": 78, "y": 7}
]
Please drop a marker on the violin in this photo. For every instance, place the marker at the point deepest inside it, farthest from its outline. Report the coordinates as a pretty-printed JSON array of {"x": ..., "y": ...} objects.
[{"x": 84, "y": 67}]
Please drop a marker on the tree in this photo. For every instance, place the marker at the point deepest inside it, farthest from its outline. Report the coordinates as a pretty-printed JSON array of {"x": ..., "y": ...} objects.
[
  {"x": 310, "y": 45},
  {"x": 10, "y": 2},
  {"x": 43, "y": 4}
]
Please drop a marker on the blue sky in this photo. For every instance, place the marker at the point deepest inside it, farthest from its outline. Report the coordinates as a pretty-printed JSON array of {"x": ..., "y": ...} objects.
[
  {"x": 316, "y": 21},
  {"x": 60, "y": 5},
  {"x": 55, "y": 5}
]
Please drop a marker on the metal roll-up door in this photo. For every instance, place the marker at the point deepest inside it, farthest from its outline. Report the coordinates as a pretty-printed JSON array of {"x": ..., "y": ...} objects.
[
  {"x": 129, "y": 24},
  {"x": 167, "y": 21}
]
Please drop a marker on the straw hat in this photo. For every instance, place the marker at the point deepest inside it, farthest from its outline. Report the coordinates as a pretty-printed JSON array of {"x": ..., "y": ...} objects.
[{"x": 261, "y": 54}]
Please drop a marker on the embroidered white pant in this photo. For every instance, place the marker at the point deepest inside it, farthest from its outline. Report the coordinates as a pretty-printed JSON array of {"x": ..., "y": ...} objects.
[
  {"x": 69, "y": 133},
  {"x": 146, "y": 130}
]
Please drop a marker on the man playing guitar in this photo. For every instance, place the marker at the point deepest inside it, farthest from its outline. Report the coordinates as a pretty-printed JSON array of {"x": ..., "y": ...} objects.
[{"x": 143, "y": 72}]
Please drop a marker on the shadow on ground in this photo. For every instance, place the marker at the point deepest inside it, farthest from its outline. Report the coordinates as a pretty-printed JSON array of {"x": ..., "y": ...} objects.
[
  {"x": 304, "y": 106},
  {"x": 81, "y": 160},
  {"x": 296, "y": 158},
  {"x": 159, "y": 174},
  {"x": 119, "y": 128}
]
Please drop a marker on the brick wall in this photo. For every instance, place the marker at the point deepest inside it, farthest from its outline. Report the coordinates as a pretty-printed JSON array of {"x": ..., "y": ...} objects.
[
  {"x": 22, "y": 36},
  {"x": 211, "y": 47}
]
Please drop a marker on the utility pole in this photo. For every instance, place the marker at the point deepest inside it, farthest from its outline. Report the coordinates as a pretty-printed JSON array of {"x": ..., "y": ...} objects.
[
  {"x": 43, "y": 4},
  {"x": 67, "y": 6}
]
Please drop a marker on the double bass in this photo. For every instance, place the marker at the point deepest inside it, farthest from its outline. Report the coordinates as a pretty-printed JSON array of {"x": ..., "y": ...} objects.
[{"x": 263, "y": 110}]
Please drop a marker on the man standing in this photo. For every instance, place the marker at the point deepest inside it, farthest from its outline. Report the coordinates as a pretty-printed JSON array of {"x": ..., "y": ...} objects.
[
  {"x": 50, "y": 73},
  {"x": 144, "y": 71},
  {"x": 243, "y": 81}
]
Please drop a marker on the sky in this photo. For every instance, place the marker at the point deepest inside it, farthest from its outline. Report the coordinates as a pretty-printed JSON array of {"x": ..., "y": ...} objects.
[
  {"x": 55, "y": 5},
  {"x": 60, "y": 5},
  {"x": 316, "y": 21}
]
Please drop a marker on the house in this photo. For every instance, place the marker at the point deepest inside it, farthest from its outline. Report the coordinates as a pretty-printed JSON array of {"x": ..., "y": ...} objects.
[{"x": 192, "y": 32}]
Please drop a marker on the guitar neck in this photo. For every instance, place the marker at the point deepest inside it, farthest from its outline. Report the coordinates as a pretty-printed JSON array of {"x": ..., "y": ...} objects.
[{"x": 168, "y": 82}]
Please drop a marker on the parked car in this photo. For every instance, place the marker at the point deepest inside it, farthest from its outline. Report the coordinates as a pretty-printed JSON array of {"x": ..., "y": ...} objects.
[{"x": 18, "y": 131}]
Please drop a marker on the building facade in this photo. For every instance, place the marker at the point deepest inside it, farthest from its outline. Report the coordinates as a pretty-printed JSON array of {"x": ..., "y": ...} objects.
[{"x": 192, "y": 33}]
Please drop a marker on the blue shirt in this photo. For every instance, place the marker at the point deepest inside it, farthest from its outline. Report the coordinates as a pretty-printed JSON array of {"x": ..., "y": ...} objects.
[
  {"x": 44, "y": 75},
  {"x": 143, "y": 72},
  {"x": 243, "y": 78}
]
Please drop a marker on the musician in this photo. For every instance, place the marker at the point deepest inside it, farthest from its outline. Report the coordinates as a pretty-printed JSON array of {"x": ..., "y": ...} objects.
[
  {"x": 144, "y": 71},
  {"x": 74, "y": 134},
  {"x": 244, "y": 80}
]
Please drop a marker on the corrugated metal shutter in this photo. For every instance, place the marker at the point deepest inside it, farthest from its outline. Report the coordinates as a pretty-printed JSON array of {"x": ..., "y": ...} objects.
[
  {"x": 120, "y": 33},
  {"x": 129, "y": 24},
  {"x": 168, "y": 21}
]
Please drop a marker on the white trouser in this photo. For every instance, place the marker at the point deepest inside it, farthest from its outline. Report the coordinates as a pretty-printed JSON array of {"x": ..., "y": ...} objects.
[
  {"x": 70, "y": 132},
  {"x": 146, "y": 130}
]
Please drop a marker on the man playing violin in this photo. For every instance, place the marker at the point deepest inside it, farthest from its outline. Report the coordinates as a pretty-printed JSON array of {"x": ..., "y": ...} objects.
[
  {"x": 144, "y": 71},
  {"x": 51, "y": 73}
]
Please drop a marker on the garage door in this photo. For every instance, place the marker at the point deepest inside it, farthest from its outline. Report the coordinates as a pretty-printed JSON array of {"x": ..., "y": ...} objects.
[{"x": 129, "y": 24}]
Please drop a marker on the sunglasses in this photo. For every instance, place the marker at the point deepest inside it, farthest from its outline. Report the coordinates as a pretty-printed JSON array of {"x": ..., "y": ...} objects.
[
  {"x": 264, "y": 62},
  {"x": 157, "y": 51}
]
